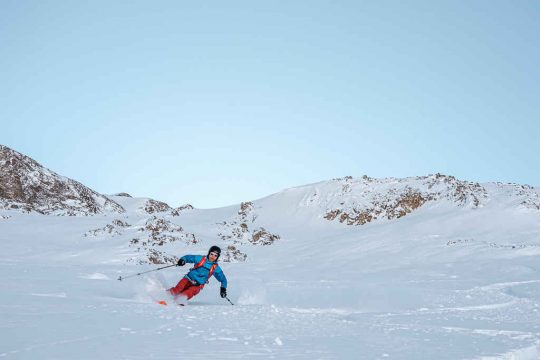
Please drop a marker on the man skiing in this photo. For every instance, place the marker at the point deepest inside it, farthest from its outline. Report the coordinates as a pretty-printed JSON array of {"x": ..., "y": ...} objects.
[{"x": 199, "y": 275}]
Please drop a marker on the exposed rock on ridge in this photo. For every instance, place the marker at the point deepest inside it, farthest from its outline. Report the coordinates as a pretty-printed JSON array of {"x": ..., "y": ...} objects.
[
  {"x": 366, "y": 199},
  {"x": 153, "y": 206},
  {"x": 181, "y": 209},
  {"x": 116, "y": 227},
  {"x": 28, "y": 186},
  {"x": 239, "y": 231},
  {"x": 158, "y": 238}
]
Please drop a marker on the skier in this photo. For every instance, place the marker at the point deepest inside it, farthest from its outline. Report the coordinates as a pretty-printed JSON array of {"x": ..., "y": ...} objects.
[{"x": 199, "y": 275}]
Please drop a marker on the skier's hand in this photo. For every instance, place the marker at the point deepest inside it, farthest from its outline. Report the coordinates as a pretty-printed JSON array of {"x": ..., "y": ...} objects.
[
  {"x": 223, "y": 292},
  {"x": 181, "y": 262}
]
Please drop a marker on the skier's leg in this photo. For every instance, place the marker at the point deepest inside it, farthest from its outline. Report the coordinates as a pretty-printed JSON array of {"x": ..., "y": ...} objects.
[
  {"x": 192, "y": 291},
  {"x": 181, "y": 286}
]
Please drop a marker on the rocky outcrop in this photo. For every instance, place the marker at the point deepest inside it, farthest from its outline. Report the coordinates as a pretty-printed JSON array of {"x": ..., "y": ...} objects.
[
  {"x": 528, "y": 197},
  {"x": 27, "y": 186},
  {"x": 459, "y": 191},
  {"x": 389, "y": 208},
  {"x": 157, "y": 227},
  {"x": 155, "y": 237},
  {"x": 366, "y": 199},
  {"x": 153, "y": 206},
  {"x": 263, "y": 237},
  {"x": 242, "y": 230},
  {"x": 161, "y": 231},
  {"x": 158, "y": 257},
  {"x": 177, "y": 211},
  {"x": 246, "y": 210},
  {"x": 532, "y": 204},
  {"x": 116, "y": 227},
  {"x": 476, "y": 243},
  {"x": 232, "y": 254}
]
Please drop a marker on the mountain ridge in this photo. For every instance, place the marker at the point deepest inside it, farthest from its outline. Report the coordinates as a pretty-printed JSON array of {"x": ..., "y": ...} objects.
[{"x": 26, "y": 185}]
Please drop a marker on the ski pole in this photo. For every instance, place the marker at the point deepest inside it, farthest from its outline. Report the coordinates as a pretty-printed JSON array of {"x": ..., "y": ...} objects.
[
  {"x": 144, "y": 272},
  {"x": 229, "y": 300}
]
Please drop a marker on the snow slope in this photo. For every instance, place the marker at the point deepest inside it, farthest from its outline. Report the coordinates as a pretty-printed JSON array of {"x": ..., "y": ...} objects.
[{"x": 446, "y": 277}]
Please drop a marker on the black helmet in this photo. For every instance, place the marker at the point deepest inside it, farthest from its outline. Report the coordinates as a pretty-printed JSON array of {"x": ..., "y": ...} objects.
[{"x": 215, "y": 249}]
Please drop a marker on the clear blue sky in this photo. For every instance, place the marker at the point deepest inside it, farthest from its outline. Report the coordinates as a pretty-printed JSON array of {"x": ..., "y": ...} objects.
[{"x": 218, "y": 102}]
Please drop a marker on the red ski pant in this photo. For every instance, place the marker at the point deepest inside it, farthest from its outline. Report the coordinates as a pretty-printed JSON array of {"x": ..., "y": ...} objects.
[{"x": 186, "y": 288}]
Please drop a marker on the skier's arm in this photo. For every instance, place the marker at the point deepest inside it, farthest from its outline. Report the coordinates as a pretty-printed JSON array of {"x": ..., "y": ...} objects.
[
  {"x": 220, "y": 276},
  {"x": 192, "y": 259}
]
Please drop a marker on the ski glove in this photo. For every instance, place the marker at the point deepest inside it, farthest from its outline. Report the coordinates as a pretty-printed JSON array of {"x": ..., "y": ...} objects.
[
  {"x": 223, "y": 292},
  {"x": 181, "y": 262}
]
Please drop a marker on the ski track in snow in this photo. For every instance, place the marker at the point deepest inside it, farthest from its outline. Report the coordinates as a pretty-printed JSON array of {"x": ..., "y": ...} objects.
[
  {"x": 58, "y": 295},
  {"x": 267, "y": 330},
  {"x": 274, "y": 331},
  {"x": 95, "y": 276}
]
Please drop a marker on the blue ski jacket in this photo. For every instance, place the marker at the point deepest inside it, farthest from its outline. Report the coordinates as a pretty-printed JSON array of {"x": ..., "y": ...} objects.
[{"x": 200, "y": 275}]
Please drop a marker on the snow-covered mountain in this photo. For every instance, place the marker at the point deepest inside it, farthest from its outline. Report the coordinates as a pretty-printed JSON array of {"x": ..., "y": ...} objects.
[
  {"x": 427, "y": 267},
  {"x": 26, "y": 185},
  {"x": 358, "y": 201}
]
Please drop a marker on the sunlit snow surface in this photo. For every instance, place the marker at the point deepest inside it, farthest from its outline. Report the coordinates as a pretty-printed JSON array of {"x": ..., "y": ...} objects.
[{"x": 442, "y": 283}]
